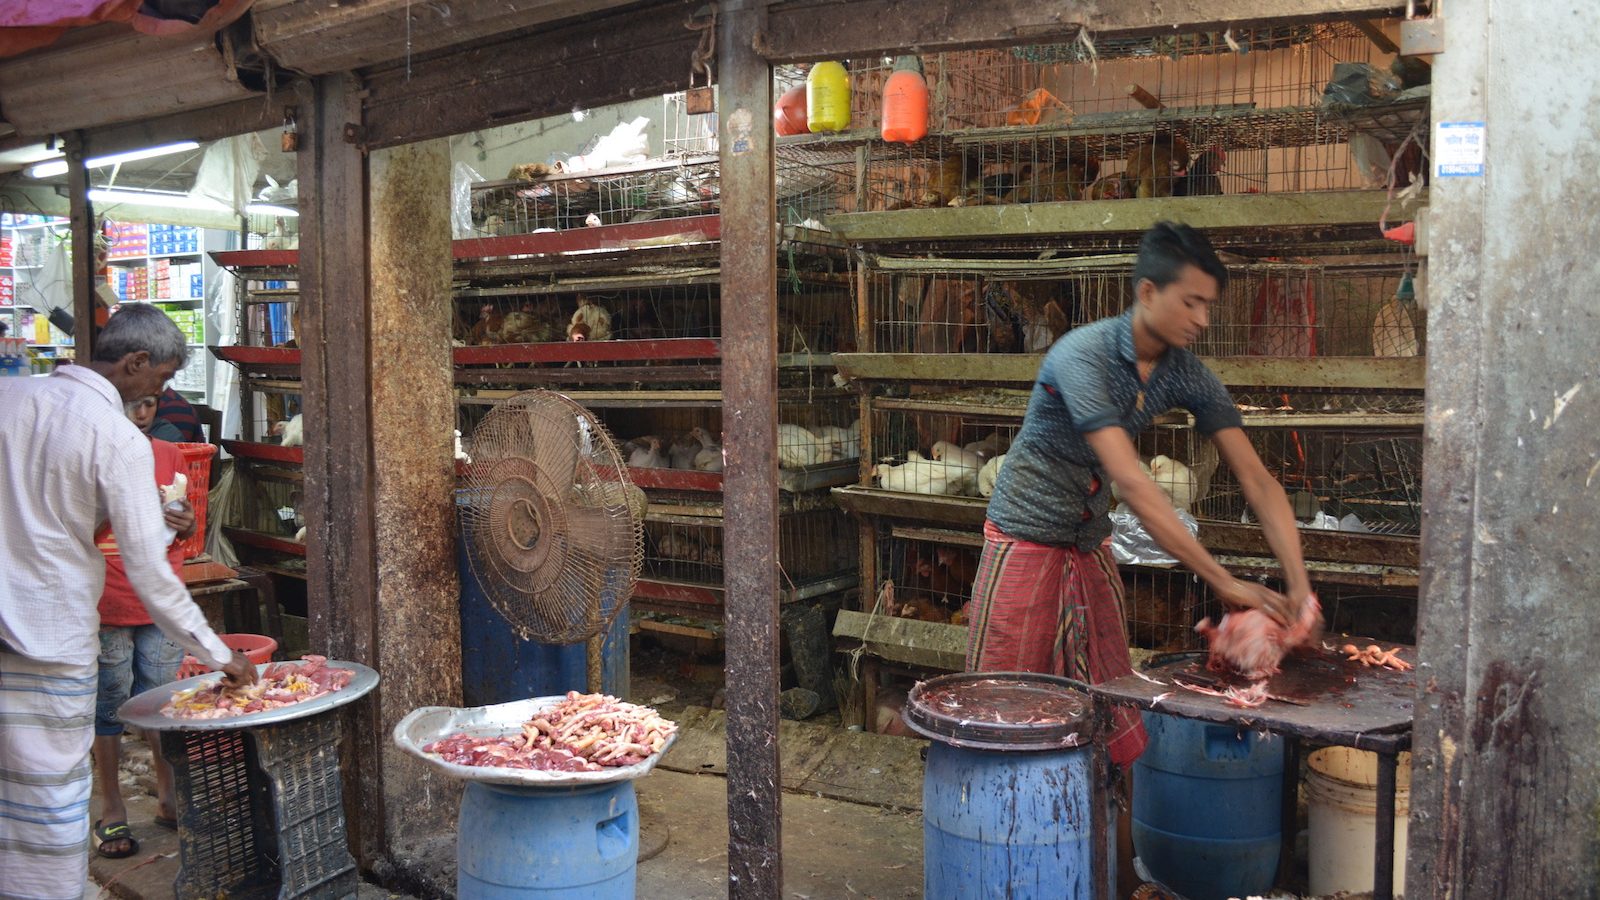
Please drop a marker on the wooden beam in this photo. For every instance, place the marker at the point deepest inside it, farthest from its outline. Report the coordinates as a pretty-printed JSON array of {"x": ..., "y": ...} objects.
[
  {"x": 1375, "y": 34},
  {"x": 934, "y": 645},
  {"x": 319, "y": 38},
  {"x": 750, "y": 441},
  {"x": 1352, "y": 372},
  {"x": 341, "y": 572},
  {"x": 837, "y": 29},
  {"x": 1333, "y": 546},
  {"x": 85, "y": 274},
  {"x": 639, "y": 54},
  {"x": 205, "y": 124},
  {"x": 1102, "y": 217}
]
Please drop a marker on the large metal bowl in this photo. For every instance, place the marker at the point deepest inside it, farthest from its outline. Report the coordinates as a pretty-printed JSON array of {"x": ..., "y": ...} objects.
[
  {"x": 144, "y": 711},
  {"x": 427, "y": 724}
]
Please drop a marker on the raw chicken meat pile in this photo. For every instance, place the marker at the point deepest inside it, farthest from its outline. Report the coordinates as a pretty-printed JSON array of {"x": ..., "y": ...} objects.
[
  {"x": 1252, "y": 643},
  {"x": 583, "y": 733},
  {"x": 280, "y": 684}
]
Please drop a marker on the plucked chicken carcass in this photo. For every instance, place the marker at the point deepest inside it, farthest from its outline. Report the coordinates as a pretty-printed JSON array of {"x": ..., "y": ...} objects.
[{"x": 1252, "y": 643}]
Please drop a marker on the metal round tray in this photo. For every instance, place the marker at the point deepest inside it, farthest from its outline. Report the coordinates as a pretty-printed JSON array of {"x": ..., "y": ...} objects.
[
  {"x": 144, "y": 711},
  {"x": 424, "y": 725},
  {"x": 1017, "y": 711}
]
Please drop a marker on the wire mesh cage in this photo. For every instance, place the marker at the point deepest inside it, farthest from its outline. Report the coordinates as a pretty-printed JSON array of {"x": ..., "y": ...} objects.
[
  {"x": 1189, "y": 114},
  {"x": 816, "y": 428},
  {"x": 814, "y": 548},
  {"x": 1357, "y": 479},
  {"x": 651, "y": 293},
  {"x": 540, "y": 197},
  {"x": 267, "y": 302},
  {"x": 953, "y": 304},
  {"x": 944, "y": 444},
  {"x": 278, "y": 229},
  {"x": 925, "y": 573}
]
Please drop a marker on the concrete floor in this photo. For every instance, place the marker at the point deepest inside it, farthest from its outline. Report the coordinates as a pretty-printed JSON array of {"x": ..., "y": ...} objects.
[{"x": 832, "y": 848}]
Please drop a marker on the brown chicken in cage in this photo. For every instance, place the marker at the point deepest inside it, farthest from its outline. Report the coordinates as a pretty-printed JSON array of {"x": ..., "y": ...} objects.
[{"x": 1154, "y": 164}]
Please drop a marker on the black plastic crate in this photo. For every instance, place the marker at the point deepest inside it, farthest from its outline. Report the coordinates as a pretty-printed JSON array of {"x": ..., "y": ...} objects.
[{"x": 262, "y": 812}]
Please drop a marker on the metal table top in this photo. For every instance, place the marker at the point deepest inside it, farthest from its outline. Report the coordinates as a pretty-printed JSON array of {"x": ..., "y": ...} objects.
[
  {"x": 1346, "y": 703},
  {"x": 144, "y": 711}
]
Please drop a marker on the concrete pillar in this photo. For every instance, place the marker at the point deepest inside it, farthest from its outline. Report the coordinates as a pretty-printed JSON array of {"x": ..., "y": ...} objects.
[
  {"x": 1506, "y": 770},
  {"x": 413, "y": 421}
]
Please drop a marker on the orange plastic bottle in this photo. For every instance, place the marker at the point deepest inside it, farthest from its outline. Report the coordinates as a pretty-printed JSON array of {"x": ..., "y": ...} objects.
[
  {"x": 905, "y": 102},
  {"x": 827, "y": 97},
  {"x": 789, "y": 113}
]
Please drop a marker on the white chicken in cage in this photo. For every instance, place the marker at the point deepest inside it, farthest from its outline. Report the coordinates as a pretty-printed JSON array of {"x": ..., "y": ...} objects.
[
  {"x": 798, "y": 447},
  {"x": 920, "y": 475},
  {"x": 1177, "y": 479},
  {"x": 988, "y": 474}
]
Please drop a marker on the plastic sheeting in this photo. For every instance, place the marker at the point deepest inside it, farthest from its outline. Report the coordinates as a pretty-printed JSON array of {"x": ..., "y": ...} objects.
[
  {"x": 461, "y": 181},
  {"x": 1131, "y": 544},
  {"x": 228, "y": 171}
]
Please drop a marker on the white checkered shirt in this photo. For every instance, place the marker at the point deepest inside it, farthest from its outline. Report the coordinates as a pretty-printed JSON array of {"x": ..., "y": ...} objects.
[{"x": 69, "y": 460}]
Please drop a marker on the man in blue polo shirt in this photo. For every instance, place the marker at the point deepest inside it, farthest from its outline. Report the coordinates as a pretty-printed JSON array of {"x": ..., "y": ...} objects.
[{"x": 1047, "y": 596}]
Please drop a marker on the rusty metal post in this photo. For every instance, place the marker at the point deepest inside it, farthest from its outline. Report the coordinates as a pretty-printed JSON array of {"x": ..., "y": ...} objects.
[
  {"x": 341, "y": 571},
  {"x": 1505, "y": 765},
  {"x": 750, "y": 481},
  {"x": 84, "y": 271}
]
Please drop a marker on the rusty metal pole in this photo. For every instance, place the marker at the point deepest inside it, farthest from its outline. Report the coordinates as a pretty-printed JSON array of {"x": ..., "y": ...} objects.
[
  {"x": 749, "y": 423},
  {"x": 84, "y": 271}
]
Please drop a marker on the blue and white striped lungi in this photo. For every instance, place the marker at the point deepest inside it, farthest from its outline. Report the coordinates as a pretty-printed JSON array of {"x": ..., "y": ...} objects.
[{"x": 46, "y": 728}]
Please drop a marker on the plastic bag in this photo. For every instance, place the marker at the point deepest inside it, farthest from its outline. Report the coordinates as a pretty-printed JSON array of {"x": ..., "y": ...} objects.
[
  {"x": 1360, "y": 84},
  {"x": 461, "y": 182},
  {"x": 625, "y": 145},
  {"x": 228, "y": 171},
  {"x": 1131, "y": 544}
]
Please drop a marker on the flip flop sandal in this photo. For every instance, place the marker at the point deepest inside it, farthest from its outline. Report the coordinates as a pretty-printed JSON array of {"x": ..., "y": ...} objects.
[{"x": 113, "y": 833}]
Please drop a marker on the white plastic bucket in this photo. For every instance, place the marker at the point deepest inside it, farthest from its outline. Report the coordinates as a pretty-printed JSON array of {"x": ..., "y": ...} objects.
[{"x": 1342, "y": 797}]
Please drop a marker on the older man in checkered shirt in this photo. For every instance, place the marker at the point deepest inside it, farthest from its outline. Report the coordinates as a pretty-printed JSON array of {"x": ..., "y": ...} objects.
[{"x": 69, "y": 460}]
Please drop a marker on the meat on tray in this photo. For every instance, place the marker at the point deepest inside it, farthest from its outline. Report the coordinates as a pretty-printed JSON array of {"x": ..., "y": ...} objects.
[
  {"x": 583, "y": 733},
  {"x": 280, "y": 684}
]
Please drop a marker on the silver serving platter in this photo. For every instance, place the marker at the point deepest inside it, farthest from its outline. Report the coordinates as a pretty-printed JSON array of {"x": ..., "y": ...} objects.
[
  {"x": 144, "y": 711},
  {"x": 424, "y": 725}
]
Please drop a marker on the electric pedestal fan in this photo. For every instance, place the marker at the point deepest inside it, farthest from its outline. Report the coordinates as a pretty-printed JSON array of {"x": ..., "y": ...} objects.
[{"x": 553, "y": 528}]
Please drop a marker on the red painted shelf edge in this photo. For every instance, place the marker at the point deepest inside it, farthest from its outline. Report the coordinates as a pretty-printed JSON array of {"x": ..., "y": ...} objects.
[{"x": 271, "y": 452}]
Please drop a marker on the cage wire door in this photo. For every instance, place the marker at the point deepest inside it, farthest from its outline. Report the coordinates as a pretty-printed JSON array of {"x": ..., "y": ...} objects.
[{"x": 552, "y": 525}]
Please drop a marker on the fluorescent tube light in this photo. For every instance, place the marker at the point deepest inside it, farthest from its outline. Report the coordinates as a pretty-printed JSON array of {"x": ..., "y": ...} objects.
[
  {"x": 59, "y": 166},
  {"x": 270, "y": 209},
  {"x": 156, "y": 198}
]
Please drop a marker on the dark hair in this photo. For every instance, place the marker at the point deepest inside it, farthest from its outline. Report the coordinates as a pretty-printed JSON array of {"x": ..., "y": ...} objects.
[
  {"x": 140, "y": 326},
  {"x": 1167, "y": 247}
]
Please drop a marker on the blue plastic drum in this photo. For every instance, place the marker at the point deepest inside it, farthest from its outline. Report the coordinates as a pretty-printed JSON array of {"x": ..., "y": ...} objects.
[
  {"x": 1208, "y": 807},
  {"x": 1006, "y": 792},
  {"x": 547, "y": 843}
]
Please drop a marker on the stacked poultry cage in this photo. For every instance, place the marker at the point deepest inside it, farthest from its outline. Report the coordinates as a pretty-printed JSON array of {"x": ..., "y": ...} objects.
[
  {"x": 266, "y": 522},
  {"x": 1275, "y": 142},
  {"x": 633, "y": 331}
]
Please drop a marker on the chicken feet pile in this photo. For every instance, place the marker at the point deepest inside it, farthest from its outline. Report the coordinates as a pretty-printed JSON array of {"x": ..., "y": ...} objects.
[{"x": 1373, "y": 655}]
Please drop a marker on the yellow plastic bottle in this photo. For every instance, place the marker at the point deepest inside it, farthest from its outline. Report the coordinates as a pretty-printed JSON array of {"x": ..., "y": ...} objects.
[{"x": 827, "y": 97}]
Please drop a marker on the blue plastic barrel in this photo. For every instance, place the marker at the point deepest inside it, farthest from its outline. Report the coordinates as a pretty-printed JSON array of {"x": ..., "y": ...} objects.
[
  {"x": 1005, "y": 808},
  {"x": 1005, "y": 824},
  {"x": 547, "y": 843},
  {"x": 1207, "y": 807},
  {"x": 497, "y": 666}
]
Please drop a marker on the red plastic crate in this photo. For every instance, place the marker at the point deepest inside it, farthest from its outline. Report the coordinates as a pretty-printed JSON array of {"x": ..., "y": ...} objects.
[{"x": 197, "y": 459}]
